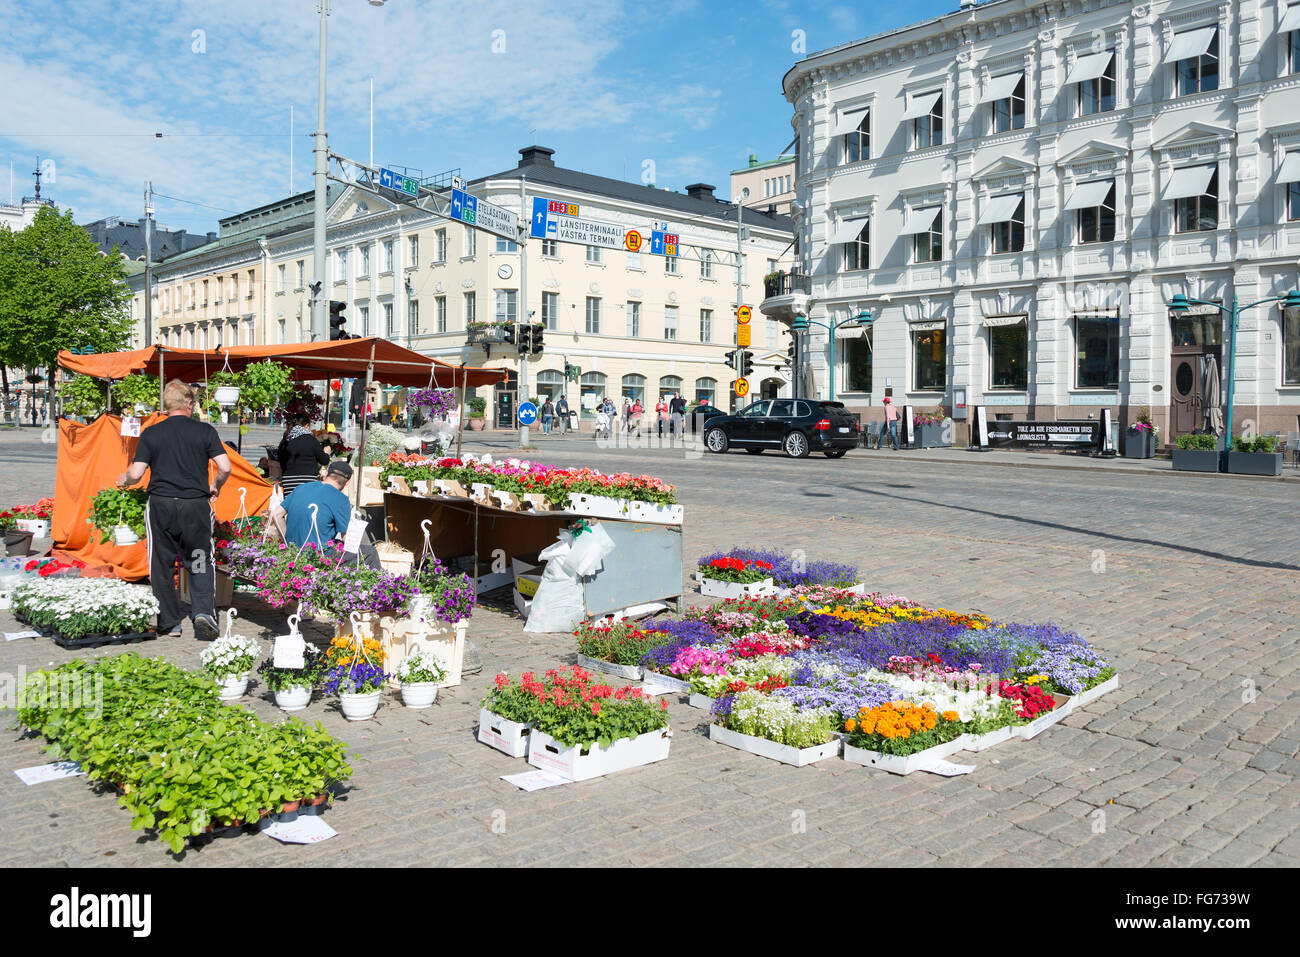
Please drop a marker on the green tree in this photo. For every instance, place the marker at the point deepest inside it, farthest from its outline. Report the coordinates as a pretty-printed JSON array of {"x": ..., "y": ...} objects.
[{"x": 58, "y": 292}]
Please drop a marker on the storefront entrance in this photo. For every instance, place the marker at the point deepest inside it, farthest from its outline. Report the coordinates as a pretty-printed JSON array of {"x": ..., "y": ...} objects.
[
  {"x": 504, "y": 400},
  {"x": 1195, "y": 340}
]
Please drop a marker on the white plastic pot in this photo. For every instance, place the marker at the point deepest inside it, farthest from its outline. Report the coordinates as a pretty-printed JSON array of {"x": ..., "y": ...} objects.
[
  {"x": 233, "y": 687},
  {"x": 419, "y": 694},
  {"x": 359, "y": 707},
  {"x": 226, "y": 394},
  {"x": 124, "y": 535},
  {"x": 294, "y": 698}
]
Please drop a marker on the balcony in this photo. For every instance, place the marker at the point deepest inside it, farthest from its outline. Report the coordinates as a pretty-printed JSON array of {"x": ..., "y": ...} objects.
[{"x": 786, "y": 295}]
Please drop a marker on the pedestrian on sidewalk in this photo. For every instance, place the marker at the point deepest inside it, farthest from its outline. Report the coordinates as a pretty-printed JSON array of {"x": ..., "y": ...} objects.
[
  {"x": 634, "y": 422},
  {"x": 178, "y": 517},
  {"x": 562, "y": 410},
  {"x": 677, "y": 407},
  {"x": 891, "y": 423},
  {"x": 548, "y": 413},
  {"x": 661, "y": 413}
]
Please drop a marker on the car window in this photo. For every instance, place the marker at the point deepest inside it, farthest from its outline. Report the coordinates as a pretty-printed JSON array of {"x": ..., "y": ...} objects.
[
  {"x": 784, "y": 408},
  {"x": 757, "y": 409},
  {"x": 801, "y": 410}
]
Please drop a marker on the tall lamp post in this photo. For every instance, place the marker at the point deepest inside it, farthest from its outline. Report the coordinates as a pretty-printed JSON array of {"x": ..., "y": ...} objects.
[
  {"x": 1180, "y": 303},
  {"x": 801, "y": 324}
]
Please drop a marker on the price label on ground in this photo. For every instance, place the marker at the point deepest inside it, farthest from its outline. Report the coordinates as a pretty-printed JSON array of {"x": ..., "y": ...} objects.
[{"x": 741, "y": 387}]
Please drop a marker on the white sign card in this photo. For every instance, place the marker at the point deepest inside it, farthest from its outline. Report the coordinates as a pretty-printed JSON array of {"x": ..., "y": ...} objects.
[
  {"x": 949, "y": 770},
  {"x": 15, "y": 635},
  {"x": 356, "y": 534},
  {"x": 49, "y": 772},
  {"x": 304, "y": 829},
  {"x": 536, "y": 780},
  {"x": 130, "y": 426}
]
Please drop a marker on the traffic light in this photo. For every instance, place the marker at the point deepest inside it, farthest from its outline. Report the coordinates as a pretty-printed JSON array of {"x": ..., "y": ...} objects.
[
  {"x": 790, "y": 355},
  {"x": 731, "y": 359},
  {"x": 746, "y": 364},
  {"x": 525, "y": 342},
  {"x": 510, "y": 333},
  {"x": 337, "y": 319},
  {"x": 572, "y": 372},
  {"x": 536, "y": 341}
]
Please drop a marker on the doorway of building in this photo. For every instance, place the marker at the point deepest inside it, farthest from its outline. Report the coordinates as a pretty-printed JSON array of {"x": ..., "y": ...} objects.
[
  {"x": 1195, "y": 340},
  {"x": 771, "y": 388},
  {"x": 504, "y": 400}
]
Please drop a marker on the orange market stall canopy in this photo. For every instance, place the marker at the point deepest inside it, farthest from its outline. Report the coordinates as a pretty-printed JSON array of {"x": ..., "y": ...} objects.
[{"x": 384, "y": 361}]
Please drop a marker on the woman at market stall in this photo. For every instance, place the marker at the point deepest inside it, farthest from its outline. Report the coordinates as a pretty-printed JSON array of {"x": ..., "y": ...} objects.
[{"x": 301, "y": 455}]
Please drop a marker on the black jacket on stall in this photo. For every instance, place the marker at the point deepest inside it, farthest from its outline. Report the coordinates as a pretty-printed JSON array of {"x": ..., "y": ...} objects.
[{"x": 302, "y": 456}]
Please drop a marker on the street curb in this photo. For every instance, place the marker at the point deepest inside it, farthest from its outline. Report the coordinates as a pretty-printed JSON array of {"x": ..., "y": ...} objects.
[{"x": 1085, "y": 469}]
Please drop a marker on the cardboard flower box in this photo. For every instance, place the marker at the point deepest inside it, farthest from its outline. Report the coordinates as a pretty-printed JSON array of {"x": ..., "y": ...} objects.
[
  {"x": 770, "y": 749},
  {"x": 1064, "y": 705},
  {"x": 665, "y": 681},
  {"x": 509, "y": 737},
  {"x": 506, "y": 500},
  {"x": 629, "y": 672},
  {"x": 535, "y": 502},
  {"x": 398, "y": 485},
  {"x": 906, "y": 764},
  {"x": 721, "y": 589},
  {"x": 697, "y": 700},
  {"x": 982, "y": 742},
  {"x": 1084, "y": 698},
  {"x": 579, "y": 764},
  {"x": 654, "y": 512},
  {"x": 451, "y": 488},
  {"x": 39, "y": 527},
  {"x": 597, "y": 506}
]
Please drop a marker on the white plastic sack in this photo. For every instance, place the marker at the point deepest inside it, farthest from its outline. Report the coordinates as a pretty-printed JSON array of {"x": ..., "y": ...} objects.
[
  {"x": 559, "y": 604},
  {"x": 588, "y": 551}
]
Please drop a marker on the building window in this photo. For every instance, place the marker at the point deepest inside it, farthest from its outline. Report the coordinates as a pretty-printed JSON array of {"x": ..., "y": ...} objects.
[
  {"x": 440, "y": 311},
  {"x": 929, "y": 360},
  {"x": 279, "y": 278},
  {"x": 413, "y": 317},
  {"x": 471, "y": 308},
  {"x": 633, "y": 260},
  {"x": 1096, "y": 353},
  {"x": 593, "y": 254},
  {"x": 593, "y": 316},
  {"x": 506, "y": 245},
  {"x": 668, "y": 385},
  {"x": 670, "y": 265},
  {"x": 1293, "y": 42},
  {"x": 634, "y": 388},
  {"x": 343, "y": 266},
  {"x": 1291, "y": 347},
  {"x": 550, "y": 384},
  {"x": 1197, "y": 56},
  {"x": 705, "y": 390},
  {"x": 1008, "y": 236},
  {"x": 927, "y": 241},
  {"x": 440, "y": 243},
  {"x": 634, "y": 320},
  {"x": 670, "y": 323},
  {"x": 1198, "y": 213},
  {"x": 413, "y": 252},
  {"x": 283, "y": 333},
  {"x": 507, "y": 305},
  {"x": 551, "y": 248},
  {"x": 364, "y": 313},
  {"x": 926, "y": 113},
  {"x": 591, "y": 390},
  {"x": 386, "y": 260},
  {"x": 857, "y": 363},
  {"x": 706, "y": 325},
  {"x": 388, "y": 320},
  {"x": 706, "y": 263},
  {"x": 1293, "y": 201},
  {"x": 1097, "y": 223},
  {"x": 1009, "y": 111},
  {"x": 365, "y": 261},
  {"x": 471, "y": 242},
  {"x": 1009, "y": 356},
  {"x": 252, "y": 286},
  {"x": 857, "y": 251},
  {"x": 551, "y": 310},
  {"x": 857, "y": 142},
  {"x": 1097, "y": 93}
]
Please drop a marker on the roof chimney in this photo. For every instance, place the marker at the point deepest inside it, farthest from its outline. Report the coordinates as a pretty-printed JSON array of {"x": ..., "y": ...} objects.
[
  {"x": 700, "y": 191},
  {"x": 536, "y": 156},
  {"x": 753, "y": 159}
]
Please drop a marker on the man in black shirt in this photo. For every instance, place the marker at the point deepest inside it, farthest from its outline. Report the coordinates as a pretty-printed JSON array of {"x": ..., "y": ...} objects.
[{"x": 176, "y": 452}]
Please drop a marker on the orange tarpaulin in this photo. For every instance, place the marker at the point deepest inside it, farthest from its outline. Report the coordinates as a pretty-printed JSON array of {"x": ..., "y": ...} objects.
[
  {"x": 393, "y": 364},
  {"x": 92, "y": 458}
]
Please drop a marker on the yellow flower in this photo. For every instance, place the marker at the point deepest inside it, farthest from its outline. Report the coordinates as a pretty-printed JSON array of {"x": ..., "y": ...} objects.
[{"x": 850, "y": 725}]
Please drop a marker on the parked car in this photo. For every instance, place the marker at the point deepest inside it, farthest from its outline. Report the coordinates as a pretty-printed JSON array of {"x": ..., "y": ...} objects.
[
  {"x": 797, "y": 426},
  {"x": 698, "y": 417}
]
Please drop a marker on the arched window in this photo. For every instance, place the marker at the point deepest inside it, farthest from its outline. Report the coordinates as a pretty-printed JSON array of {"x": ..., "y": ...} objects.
[
  {"x": 550, "y": 385},
  {"x": 634, "y": 387},
  {"x": 670, "y": 384},
  {"x": 705, "y": 390},
  {"x": 592, "y": 388}
]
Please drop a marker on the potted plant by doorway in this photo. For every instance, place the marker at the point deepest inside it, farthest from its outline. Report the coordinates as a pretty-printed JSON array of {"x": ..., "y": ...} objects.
[
  {"x": 1255, "y": 456},
  {"x": 1197, "y": 452},
  {"x": 1140, "y": 438},
  {"x": 477, "y": 413}
]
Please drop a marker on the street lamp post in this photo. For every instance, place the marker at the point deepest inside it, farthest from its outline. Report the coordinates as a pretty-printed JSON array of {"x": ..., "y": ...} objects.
[
  {"x": 801, "y": 324},
  {"x": 1180, "y": 303}
]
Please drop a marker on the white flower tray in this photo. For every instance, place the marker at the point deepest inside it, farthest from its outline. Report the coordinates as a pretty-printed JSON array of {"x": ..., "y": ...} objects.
[
  {"x": 39, "y": 527},
  {"x": 982, "y": 742},
  {"x": 1084, "y": 698},
  {"x": 859, "y": 589},
  {"x": 656, "y": 513},
  {"x": 894, "y": 764},
  {"x": 1064, "y": 705},
  {"x": 597, "y": 506},
  {"x": 578, "y": 764},
  {"x": 700, "y": 701},
  {"x": 630, "y": 672},
  {"x": 665, "y": 681},
  {"x": 507, "y": 736},
  {"x": 721, "y": 589},
  {"x": 770, "y": 749}
]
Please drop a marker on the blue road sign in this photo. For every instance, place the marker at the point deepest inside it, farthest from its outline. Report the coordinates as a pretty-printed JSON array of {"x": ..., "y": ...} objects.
[
  {"x": 527, "y": 413},
  {"x": 537, "y": 226},
  {"x": 464, "y": 206},
  {"x": 391, "y": 179}
]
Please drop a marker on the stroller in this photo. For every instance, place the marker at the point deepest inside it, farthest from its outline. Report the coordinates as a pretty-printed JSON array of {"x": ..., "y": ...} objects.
[{"x": 604, "y": 426}]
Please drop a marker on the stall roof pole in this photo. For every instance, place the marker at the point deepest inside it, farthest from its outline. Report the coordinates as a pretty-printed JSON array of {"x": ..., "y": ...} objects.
[
  {"x": 460, "y": 420},
  {"x": 365, "y": 421}
]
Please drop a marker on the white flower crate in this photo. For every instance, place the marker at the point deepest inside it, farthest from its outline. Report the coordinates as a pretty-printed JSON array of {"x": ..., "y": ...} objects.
[
  {"x": 721, "y": 589},
  {"x": 579, "y": 764},
  {"x": 629, "y": 672},
  {"x": 770, "y": 749},
  {"x": 665, "y": 681},
  {"x": 597, "y": 506},
  {"x": 656, "y": 513},
  {"x": 895, "y": 764},
  {"x": 982, "y": 742},
  {"x": 1084, "y": 698},
  {"x": 698, "y": 700},
  {"x": 510, "y": 737},
  {"x": 39, "y": 527},
  {"x": 1064, "y": 705}
]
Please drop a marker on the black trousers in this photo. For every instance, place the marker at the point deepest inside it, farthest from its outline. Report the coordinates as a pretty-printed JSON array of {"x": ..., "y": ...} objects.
[{"x": 181, "y": 528}]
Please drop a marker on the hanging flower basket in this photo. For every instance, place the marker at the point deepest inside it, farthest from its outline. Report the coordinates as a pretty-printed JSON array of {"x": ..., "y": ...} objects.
[
  {"x": 226, "y": 395},
  {"x": 124, "y": 535}
]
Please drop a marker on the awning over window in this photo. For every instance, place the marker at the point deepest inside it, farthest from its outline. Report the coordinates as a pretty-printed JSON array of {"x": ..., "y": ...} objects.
[
  {"x": 1089, "y": 195},
  {"x": 920, "y": 220},
  {"x": 847, "y": 231},
  {"x": 992, "y": 321},
  {"x": 850, "y": 332},
  {"x": 921, "y": 104},
  {"x": 1291, "y": 21},
  {"x": 1290, "y": 171},
  {"x": 850, "y": 120},
  {"x": 1001, "y": 209},
  {"x": 1188, "y": 182},
  {"x": 927, "y": 325},
  {"x": 1193, "y": 43},
  {"x": 1089, "y": 67},
  {"x": 1096, "y": 317},
  {"x": 1001, "y": 87}
]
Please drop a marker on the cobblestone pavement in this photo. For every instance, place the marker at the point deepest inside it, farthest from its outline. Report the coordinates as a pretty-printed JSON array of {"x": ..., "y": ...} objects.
[{"x": 1189, "y": 585}]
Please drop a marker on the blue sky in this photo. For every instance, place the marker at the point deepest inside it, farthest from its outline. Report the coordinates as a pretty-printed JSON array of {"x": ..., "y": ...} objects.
[{"x": 689, "y": 87}]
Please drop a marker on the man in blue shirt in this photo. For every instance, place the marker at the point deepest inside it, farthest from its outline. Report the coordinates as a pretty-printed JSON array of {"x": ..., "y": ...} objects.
[{"x": 333, "y": 513}]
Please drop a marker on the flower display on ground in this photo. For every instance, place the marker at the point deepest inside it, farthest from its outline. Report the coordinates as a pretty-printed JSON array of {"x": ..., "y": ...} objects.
[{"x": 575, "y": 708}]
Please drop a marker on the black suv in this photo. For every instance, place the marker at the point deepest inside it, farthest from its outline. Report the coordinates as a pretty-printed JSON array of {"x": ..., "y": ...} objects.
[{"x": 798, "y": 426}]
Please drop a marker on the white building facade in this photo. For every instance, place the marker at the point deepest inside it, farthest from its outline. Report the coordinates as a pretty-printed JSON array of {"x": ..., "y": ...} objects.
[{"x": 1016, "y": 190}]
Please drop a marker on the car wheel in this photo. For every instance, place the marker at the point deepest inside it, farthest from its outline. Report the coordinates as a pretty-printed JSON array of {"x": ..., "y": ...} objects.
[
  {"x": 716, "y": 440},
  {"x": 835, "y": 453},
  {"x": 796, "y": 445},
  {"x": 754, "y": 451}
]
